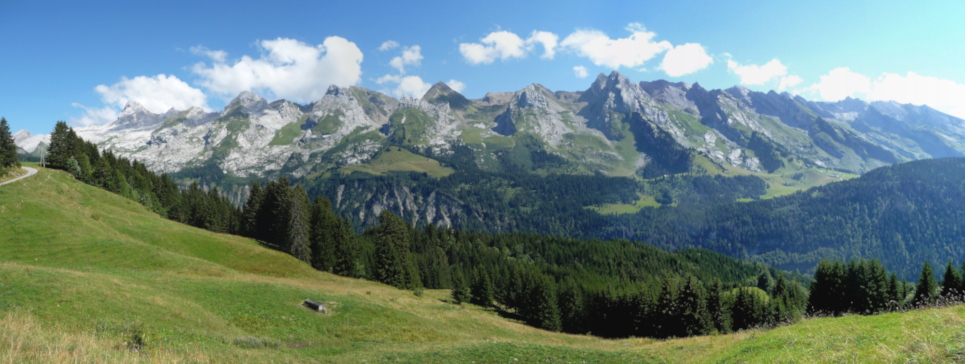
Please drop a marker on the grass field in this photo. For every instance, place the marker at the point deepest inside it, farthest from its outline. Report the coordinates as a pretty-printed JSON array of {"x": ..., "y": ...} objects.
[
  {"x": 398, "y": 159},
  {"x": 85, "y": 274},
  {"x": 621, "y": 208}
]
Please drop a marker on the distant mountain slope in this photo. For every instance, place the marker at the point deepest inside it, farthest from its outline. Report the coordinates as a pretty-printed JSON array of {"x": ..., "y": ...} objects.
[{"x": 901, "y": 214}]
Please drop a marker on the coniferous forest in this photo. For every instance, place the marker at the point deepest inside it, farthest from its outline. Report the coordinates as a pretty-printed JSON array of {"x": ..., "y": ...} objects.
[{"x": 613, "y": 288}]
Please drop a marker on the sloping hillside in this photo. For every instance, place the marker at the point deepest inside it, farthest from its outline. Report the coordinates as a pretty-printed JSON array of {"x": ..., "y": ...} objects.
[{"x": 83, "y": 271}]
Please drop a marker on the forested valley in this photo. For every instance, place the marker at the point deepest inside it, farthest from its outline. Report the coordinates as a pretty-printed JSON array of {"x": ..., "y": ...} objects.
[{"x": 612, "y": 288}]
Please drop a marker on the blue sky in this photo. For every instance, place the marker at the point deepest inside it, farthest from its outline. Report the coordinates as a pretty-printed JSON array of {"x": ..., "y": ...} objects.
[{"x": 82, "y": 61}]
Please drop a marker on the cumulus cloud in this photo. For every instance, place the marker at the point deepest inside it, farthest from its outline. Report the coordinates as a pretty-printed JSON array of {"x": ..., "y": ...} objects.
[
  {"x": 504, "y": 45},
  {"x": 757, "y": 75},
  {"x": 685, "y": 59},
  {"x": 412, "y": 86},
  {"x": 841, "y": 83},
  {"x": 547, "y": 40},
  {"x": 580, "y": 71},
  {"x": 632, "y": 51},
  {"x": 912, "y": 88},
  {"x": 410, "y": 56},
  {"x": 387, "y": 45},
  {"x": 157, "y": 94},
  {"x": 788, "y": 82},
  {"x": 93, "y": 115},
  {"x": 456, "y": 85},
  {"x": 287, "y": 68}
]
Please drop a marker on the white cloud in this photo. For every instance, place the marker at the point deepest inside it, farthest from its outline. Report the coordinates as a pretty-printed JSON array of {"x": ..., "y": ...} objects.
[
  {"x": 456, "y": 85},
  {"x": 411, "y": 86},
  {"x": 504, "y": 45},
  {"x": 547, "y": 40},
  {"x": 389, "y": 79},
  {"x": 788, "y": 82},
  {"x": 685, "y": 59},
  {"x": 291, "y": 69},
  {"x": 580, "y": 71},
  {"x": 157, "y": 94},
  {"x": 94, "y": 116},
  {"x": 410, "y": 56},
  {"x": 841, "y": 83},
  {"x": 217, "y": 56},
  {"x": 387, "y": 45},
  {"x": 945, "y": 95},
  {"x": 632, "y": 51},
  {"x": 501, "y": 44},
  {"x": 757, "y": 75}
]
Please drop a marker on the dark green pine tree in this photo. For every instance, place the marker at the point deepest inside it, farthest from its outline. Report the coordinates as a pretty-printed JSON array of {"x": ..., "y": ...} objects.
[
  {"x": 460, "y": 290},
  {"x": 693, "y": 308},
  {"x": 249, "y": 217},
  {"x": 951, "y": 282},
  {"x": 894, "y": 292},
  {"x": 61, "y": 146},
  {"x": 571, "y": 306},
  {"x": 277, "y": 208},
  {"x": 925, "y": 291},
  {"x": 718, "y": 308},
  {"x": 482, "y": 289},
  {"x": 8, "y": 149},
  {"x": 547, "y": 312},
  {"x": 668, "y": 323},
  {"x": 822, "y": 289},
  {"x": 324, "y": 234},
  {"x": 347, "y": 251},
  {"x": 104, "y": 175},
  {"x": 298, "y": 228},
  {"x": 391, "y": 266},
  {"x": 765, "y": 281},
  {"x": 86, "y": 169}
]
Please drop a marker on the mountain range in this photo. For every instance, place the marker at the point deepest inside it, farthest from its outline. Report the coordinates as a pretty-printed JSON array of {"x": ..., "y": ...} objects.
[{"x": 615, "y": 127}]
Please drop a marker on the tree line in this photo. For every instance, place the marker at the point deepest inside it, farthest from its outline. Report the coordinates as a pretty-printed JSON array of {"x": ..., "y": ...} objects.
[
  {"x": 8, "y": 149},
  {"x": 193, "y": 205},
  {"x": 866, "y": 287}
]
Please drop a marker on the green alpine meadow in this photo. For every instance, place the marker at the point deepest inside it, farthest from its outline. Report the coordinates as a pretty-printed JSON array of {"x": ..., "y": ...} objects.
[{"x": 488, "y": 182}]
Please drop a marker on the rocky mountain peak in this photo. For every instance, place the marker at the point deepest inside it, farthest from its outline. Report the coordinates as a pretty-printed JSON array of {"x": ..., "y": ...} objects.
[
  {"x": 133, "y": 107},
  {"x": 442, "y": 93},
  {"x": 532, "y": 96},
  {"x": 250, "y": 102}
]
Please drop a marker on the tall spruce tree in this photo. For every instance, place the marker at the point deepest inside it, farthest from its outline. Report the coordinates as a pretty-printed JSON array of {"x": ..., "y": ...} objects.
[
  {"x": 324, "y": 235},
  {"x": 298, "y": 228},
  {"x": 718, "y": 308},
  {"x": 693, "y": 308},
  {"x": 391, "y": 251},
  {"x": 249, "y": 219},
  {"x": 951, "y": 282},
  {"x": 8, "y": 149},
  {"x": 347, "y": 251},
  {"x": 925, "y": 291},
  {"x": 61, "y": 146}
]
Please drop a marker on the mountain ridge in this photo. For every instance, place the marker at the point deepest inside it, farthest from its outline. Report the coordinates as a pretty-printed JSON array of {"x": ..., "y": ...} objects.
[{"x": 252, "y": 137}]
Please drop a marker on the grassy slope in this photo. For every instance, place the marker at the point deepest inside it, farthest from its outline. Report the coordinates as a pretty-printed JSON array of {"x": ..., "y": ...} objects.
[
  {"x": 79, "y": 265},
  {"x": 402, "y": 160}
]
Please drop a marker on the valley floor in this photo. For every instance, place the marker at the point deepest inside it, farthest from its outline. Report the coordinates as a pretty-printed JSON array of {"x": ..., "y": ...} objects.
[{"x": 89, "y": 276}]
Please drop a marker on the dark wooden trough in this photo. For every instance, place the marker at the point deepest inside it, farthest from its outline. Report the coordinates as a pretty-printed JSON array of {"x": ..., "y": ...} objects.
[{"x": 314, "y": 305}]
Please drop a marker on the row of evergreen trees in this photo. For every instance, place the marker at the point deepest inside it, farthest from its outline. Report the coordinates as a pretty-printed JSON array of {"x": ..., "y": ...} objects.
[
  {"x": 8, "y": 149},
  {"x": 865, "y": 287},
  {"x": 194, "y": 206}
]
